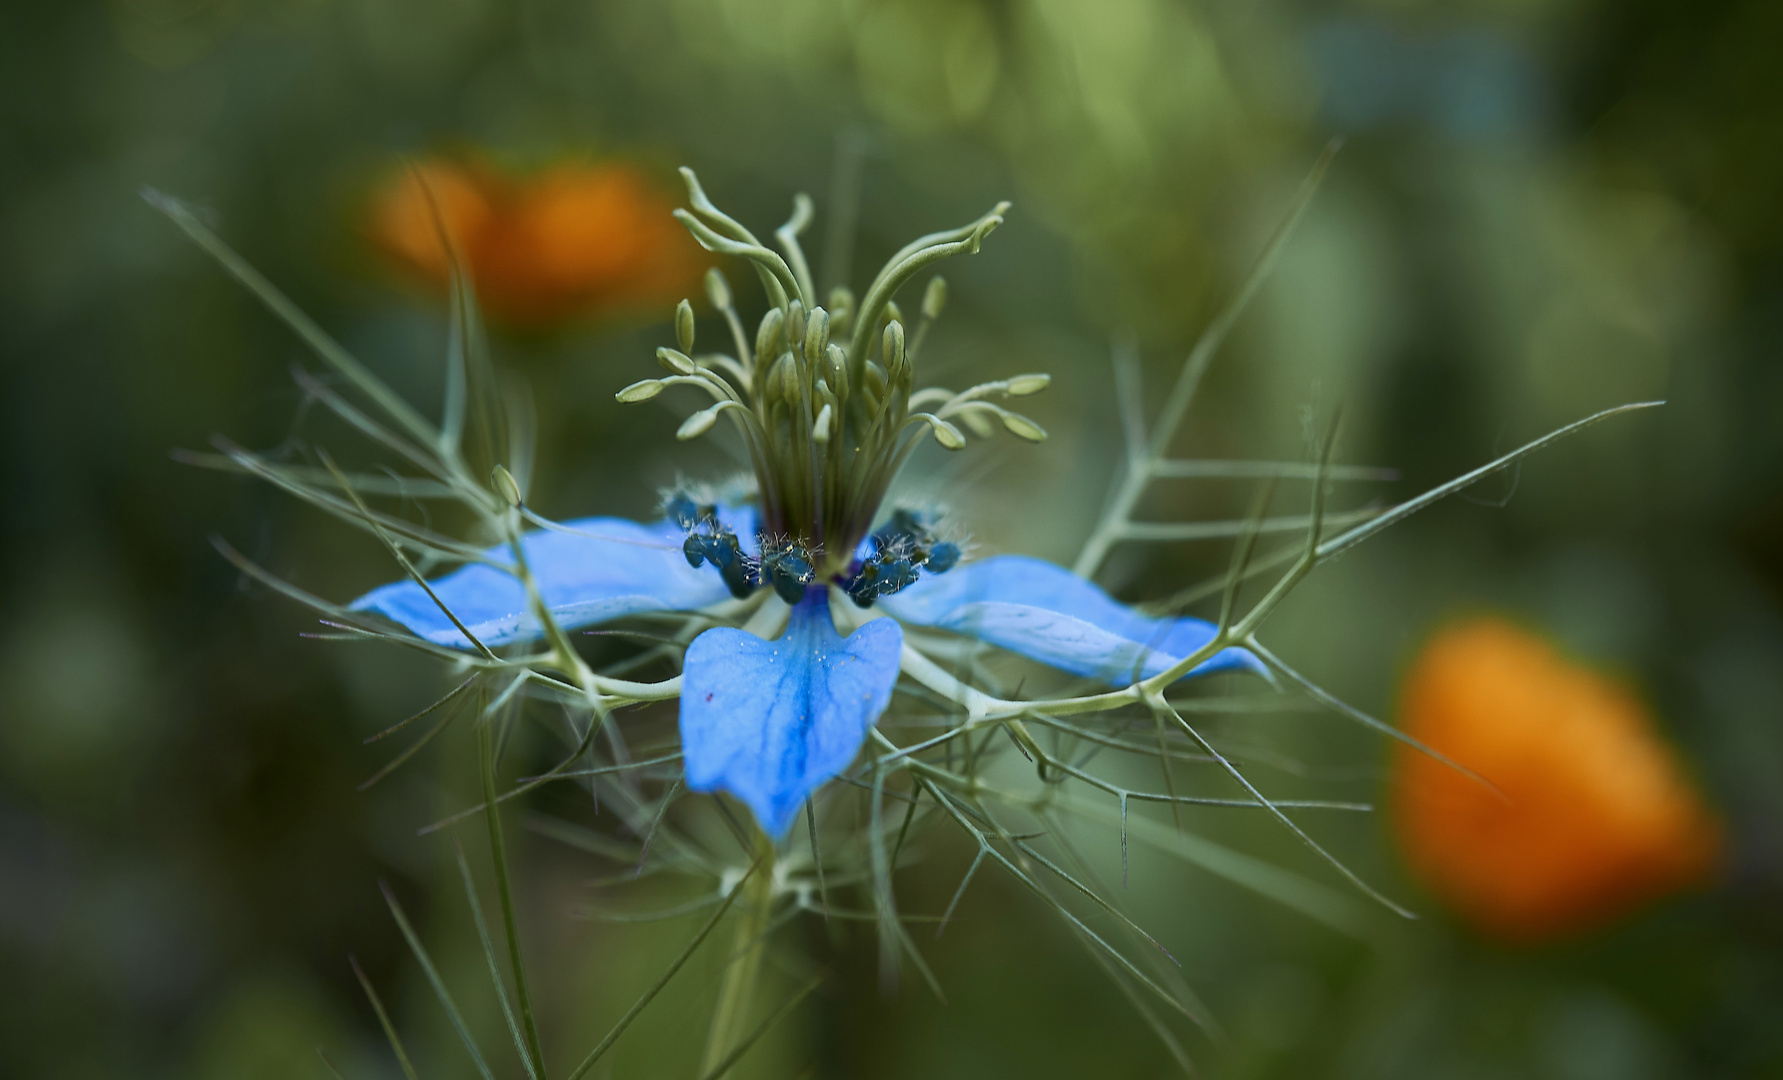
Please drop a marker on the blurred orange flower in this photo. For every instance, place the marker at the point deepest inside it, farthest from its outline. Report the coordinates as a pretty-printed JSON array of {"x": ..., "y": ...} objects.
[
  {"x": 575, "y": 239},
  {"x": 1595, "y": 817}
]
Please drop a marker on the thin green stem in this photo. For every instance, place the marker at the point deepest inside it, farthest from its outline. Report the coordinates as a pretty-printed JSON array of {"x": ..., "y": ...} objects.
[
  {"x": 737, "y": 992},
  {"x": 1139, "y": 473},
  {"x": 650, "y": 994},
  {"x": 498, "y": 854},
  {"x": 742, "y": 1047},
  {"x": 377, "y": 1004}
]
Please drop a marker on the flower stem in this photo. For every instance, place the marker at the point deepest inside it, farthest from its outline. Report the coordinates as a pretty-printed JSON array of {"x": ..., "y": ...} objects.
[{"x": 731, "y": 1016}]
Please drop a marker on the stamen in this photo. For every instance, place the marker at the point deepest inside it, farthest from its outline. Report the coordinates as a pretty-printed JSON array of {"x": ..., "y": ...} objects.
[
  {"x": 683, "y": 511},
  {"x": 841, "y": 309},
  {"x": 789, "y": 567},
  {"x": 709, "y": 540},
  {"x": 697, "y": 424},
  {"x": 684, "y": 326},
  {"x": 945, "y": 433},
  {"x": 822, "y": 398},
  {"x": 676, "y": 361},
  {"x": 902, "y": 548},
  {"x": 642, "y": 390}
]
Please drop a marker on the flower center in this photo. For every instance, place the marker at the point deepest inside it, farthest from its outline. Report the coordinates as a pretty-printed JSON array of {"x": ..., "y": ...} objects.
[
  {"x": 823, "y": 401},
  {"x": 831, "y": 432}
]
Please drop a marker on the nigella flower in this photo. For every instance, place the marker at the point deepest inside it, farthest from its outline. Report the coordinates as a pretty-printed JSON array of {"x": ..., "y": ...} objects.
[
  {"x": 825, "y": 400},
  {"x": 801, "y": 606}
]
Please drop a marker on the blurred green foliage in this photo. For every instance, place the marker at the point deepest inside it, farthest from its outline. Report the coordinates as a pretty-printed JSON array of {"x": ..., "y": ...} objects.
[{"x": 1545, "y": 207}]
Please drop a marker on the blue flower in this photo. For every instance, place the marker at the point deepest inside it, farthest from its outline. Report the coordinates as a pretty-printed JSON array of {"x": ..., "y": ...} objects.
[
  {"x": 827, "y": 425},
  {"x": 771, "y": 721}
]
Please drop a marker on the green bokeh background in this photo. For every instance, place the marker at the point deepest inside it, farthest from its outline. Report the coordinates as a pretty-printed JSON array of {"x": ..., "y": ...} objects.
[{"x": 1544, "y": 207}]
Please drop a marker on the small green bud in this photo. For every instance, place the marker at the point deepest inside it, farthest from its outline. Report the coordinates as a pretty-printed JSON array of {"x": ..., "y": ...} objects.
[
  {"x": 503, "y": 482},
  {"x": 676, "y": 361},
  {"x": 934, "y": 298},
  {"x": 684, "y": 326},
  {"x": 783, "y": 380},
  {"x": 718, "y": 290},
  {"x": 837, "y": 362},
  {"x": 841, "y": 309},
  {"x": 1023, "y": 385},
  {"x": 893, "y": 313},
  {"x": 820, "y": 428},
  {"x": 697, "y": 424},
  {"x": 642, "y": 390},
  {"x": 795, "y": 324},
  {"x": 817, "y": 336},
  {"x": 874, "y": 376},
  {"x": 767, "y": 336},
  {"x": 1023, "y": 428},
  {"x": 792, "y": 375},
  {"x": 891, "y": 348},
  {"x": 946, "y": 434}
]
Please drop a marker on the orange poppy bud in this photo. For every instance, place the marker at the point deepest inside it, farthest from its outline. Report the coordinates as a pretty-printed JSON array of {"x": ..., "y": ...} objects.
[
  {"x": 573, "y": 240},
  {"x": 1592, "y": 816}
]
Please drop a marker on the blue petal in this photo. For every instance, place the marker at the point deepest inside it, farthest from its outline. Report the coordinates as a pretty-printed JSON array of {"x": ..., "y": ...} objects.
[
  {"x": 607, "y": 568},
  {"x": 1049, "y": 614},
  {"x": 770, "y": 721}
]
